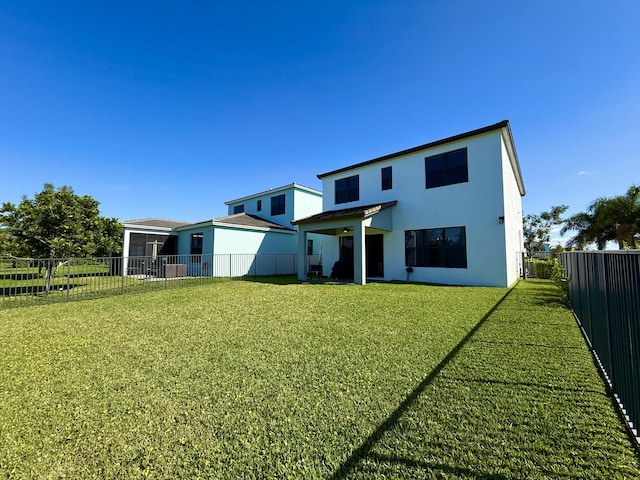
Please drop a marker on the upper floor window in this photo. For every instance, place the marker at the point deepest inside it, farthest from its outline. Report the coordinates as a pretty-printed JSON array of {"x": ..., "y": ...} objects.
[
  {"x": 447, "y": 168},
  {"x": 277, "y": 204},
  {"x": 436, "y": 247},
  {"x": 387, "y": 178},
  {"x": 348, "y": 189},
  {"x": 259, "y": 206},
  {"x": 238, "y": 209}
]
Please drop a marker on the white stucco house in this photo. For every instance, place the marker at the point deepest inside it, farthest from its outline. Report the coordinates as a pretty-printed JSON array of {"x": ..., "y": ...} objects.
[
  {"x": 446, "y": 212},
  {"x": 258, "y": 224}
]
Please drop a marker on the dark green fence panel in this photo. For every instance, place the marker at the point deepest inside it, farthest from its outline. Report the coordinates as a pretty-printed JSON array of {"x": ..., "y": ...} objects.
[{"x": 604, "y": 290}]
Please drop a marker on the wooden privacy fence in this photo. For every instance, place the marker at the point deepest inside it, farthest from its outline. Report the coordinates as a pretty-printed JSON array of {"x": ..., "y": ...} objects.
[{"x": 604, "y": 291}]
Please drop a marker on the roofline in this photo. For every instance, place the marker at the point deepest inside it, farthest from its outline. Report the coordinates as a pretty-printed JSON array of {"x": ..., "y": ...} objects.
[
  {"x": 134, "y": 226},
  {"x": 472, "y": 133},
  {"x": 215, "y": 223},
  {"x": 250, "y": 227},
  {"x": 360, "y": 211},
  {"x": 294, "y": 185},
  {"x": 133, "y": 220},
  {"x": 204, "y": 223}
]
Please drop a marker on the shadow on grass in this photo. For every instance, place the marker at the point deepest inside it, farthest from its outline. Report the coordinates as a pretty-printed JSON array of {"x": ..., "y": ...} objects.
[
  {"x": 364, "y": 450},
  {"x": 273, "y": 279},
  {"x": 293, "y": 280},
  {"x": 549, "y": 295},
  {"x": 36, "y": 289}
]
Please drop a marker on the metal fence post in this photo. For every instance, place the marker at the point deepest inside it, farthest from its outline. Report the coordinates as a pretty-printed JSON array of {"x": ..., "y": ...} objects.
[{"x": 68, "y": 278}]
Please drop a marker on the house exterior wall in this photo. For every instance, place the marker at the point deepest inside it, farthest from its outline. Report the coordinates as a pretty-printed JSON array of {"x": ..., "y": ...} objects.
[
  {"x": 476, "y": 205},
  {"x": 184, "y": 239},
  {"x": 305, "y": 204},
  {"x": 299, "y": 202},
  {"x": 514, "y": 236},
  {"x": 232, "y": 241}
]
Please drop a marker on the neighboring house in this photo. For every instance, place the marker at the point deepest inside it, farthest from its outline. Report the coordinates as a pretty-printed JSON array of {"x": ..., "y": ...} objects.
[
  {"x": 446, "y": 212},
  {"x": 256, "y": 224}
]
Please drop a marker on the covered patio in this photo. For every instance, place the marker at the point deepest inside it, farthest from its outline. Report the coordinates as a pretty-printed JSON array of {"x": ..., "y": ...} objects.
[{"x": 365, "y": 225}]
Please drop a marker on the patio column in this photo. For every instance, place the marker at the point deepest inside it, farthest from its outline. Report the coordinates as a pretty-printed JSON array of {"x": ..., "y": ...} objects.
[
  {"x": 359, "y": 254},
  {"x": 302, "y": 253}
]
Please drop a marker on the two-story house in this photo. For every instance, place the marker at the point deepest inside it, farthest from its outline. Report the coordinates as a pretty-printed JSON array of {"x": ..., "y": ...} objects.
[
  {"x": 258, "y": 224},
  {"x": 446, "y": 212}
]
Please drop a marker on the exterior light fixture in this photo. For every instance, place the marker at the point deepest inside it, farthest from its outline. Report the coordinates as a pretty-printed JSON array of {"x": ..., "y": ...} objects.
[
  {"x": 345, "y": 229},
  {"x": 500, "y": 220}
]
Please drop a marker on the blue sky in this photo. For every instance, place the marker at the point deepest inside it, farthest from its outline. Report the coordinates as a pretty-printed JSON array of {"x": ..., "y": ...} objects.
[{"x": 168, "y": 109}]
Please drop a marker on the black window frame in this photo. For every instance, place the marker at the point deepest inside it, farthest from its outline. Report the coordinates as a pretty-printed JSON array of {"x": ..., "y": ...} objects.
[
  {"x": 238, "y": 209},
  {"x": 386, "y": 178},
  {"x": 347, "y": 189},
  {"x": 278, "y": 204},
  {"x": 447, "y": 168},
  {"x": 196, "y": 246},
  {"x": 436, "y": 247}
]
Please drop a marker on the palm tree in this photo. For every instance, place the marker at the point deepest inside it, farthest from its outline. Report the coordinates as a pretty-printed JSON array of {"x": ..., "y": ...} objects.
[{"x": 607, "y": 219}]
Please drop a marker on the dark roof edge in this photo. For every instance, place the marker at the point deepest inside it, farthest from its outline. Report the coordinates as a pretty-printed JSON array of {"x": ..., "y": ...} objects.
[
  {"x": 460, "y": 136},
  {"x": 515, "y": 163}
]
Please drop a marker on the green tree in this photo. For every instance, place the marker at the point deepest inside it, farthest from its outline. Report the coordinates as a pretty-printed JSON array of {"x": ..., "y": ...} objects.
[
  {"x": 607, "y": 219},
  {"x": 537, "y": 228},
  {"x": 59, "y": 223},
  {"x": 5, "y": 249}
]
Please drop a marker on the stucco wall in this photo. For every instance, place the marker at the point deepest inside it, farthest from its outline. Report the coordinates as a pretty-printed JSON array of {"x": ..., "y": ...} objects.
[
  {"x": 298, "y": 203},
  {"x": 229, "y": 240},
  {"x": 513, "y": 219},
  {"x": 184, "y": 240},
  {"x": 476, "y": 205}
]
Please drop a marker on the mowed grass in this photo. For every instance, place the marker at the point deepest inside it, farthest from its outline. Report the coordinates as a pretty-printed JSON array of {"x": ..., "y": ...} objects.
[{"x": 258, "y": 380}]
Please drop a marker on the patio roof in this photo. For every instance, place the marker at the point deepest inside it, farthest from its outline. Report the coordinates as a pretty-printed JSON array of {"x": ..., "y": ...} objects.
[
  {"x": 154, "y": 222},
  {"x": 361, "y": 211}
]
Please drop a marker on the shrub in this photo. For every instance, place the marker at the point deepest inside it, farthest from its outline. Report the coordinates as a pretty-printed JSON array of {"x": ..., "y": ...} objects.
[
  {"x": 543, "y": 268},
  {"x": 558, "y": 276}
]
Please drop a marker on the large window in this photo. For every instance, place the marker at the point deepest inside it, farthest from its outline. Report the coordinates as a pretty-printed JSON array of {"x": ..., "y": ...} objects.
[
  {"x": 436, "y": 247},
  {"x": 238, "y": 209},
  {"x": 447, "y": 168},
  {"x": 348, "y": 189},
  {"x": 277, "y": 204},
  {"x": 387, "y": 178}
]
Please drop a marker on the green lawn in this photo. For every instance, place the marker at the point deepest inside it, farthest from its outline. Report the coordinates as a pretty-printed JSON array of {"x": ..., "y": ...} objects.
[{"x": 259, "y": 380}]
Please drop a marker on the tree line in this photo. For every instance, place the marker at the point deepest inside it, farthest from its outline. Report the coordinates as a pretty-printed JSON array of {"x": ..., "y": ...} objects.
[{"x": 607, "y": 219}]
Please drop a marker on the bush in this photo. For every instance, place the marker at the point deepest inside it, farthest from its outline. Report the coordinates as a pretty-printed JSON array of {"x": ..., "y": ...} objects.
[
  {"x": 559, "y": 277},
  {"x": 543, "y": 268}
]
